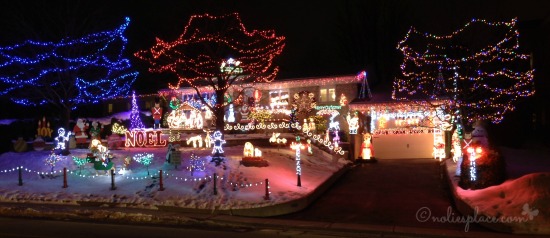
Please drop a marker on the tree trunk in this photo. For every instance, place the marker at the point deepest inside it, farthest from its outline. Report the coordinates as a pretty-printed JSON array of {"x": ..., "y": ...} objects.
[
  {"x": 66, "y": 118},
  {"x": 219, "y": 111},
  {"x": 220, "y": 123}
]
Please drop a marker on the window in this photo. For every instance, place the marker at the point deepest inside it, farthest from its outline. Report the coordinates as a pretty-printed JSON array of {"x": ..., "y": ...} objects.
[
  {"x": 278, "y": 99},
  {"x": 327, "y": 94},
  {"x": 110, "y": 108}
]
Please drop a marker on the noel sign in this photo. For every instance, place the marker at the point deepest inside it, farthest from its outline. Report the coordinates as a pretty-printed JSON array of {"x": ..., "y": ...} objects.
[{"x": 144, "y": 138}]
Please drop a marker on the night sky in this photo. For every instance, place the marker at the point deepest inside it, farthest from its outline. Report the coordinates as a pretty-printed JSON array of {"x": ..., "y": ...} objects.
[{"x": 322, "y": 39}]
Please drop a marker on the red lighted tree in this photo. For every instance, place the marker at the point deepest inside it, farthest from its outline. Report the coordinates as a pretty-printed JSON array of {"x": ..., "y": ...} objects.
[{"x": 214, "y": 53}]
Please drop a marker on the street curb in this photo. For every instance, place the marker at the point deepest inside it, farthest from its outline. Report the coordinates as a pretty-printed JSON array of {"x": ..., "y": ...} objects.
[
  {"x": 294, "y": 205},
  {"x": 272, "y": 210}
]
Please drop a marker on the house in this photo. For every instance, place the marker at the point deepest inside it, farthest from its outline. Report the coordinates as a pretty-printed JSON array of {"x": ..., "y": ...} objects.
[{"x": 401, "y": 129}]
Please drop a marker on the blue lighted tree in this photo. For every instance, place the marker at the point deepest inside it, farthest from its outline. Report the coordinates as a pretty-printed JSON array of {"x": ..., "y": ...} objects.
[{"x": 67, "y": 73}]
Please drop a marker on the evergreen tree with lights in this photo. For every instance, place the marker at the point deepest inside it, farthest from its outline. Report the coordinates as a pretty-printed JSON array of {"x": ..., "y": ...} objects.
[
  {"x": 135, "y": 119},
  {"x": 480, "y": 80},
  {"x": 67, "y": 73},
  {"x": 214, "y": 53}
]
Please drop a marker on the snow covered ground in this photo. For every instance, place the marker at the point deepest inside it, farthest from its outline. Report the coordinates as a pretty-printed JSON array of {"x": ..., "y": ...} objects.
[
  {"x": 522, "y": 203},
  {"x": 237, "y": 186}
]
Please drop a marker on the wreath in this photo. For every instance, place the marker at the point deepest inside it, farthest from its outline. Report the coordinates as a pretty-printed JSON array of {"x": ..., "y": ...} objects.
[
  {"x": 304, "y": 102},
  {"x": 175, "y": 103}
]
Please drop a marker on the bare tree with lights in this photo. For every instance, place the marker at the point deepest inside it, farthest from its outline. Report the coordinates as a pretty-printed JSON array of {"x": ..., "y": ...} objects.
[
  {"x": 476, "y": 69},
  {"x": 66, "y": 73},
  {"x": 213, "y": 53},
  {"x": 478, "y": 75}
]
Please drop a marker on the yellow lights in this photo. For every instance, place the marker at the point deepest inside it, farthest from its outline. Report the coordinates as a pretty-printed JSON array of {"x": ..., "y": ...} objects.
[
  {"x": 250, "y": 151},
  {"x": 479, "y": 150},
  {"x": 275, "y": 139},
  {"x": 118, "y": 129},
  {"x": 196, "y": 140}
]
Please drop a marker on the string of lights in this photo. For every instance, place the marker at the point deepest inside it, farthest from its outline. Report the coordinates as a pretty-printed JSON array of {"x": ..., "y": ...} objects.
[
  {"x": 482, "y": 82},
  {"x": 135, "y": 119},
  {"x": 101, "y": 52},
  {"x": 254, "y": 52}
]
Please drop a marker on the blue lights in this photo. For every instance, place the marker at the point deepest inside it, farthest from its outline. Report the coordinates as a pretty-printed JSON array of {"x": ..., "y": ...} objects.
[{"x": 68, "y": 72}]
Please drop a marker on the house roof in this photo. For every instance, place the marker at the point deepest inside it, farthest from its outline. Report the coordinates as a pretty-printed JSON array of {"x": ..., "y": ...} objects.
[
  {"x": 281, "y": 84},
  {"x": 382, "y": 98}
]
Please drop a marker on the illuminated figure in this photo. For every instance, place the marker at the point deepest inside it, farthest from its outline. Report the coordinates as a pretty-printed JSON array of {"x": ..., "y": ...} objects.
[
  {"x": 62, "y": 138},
  {"x": 257, "y": 152},
  {"x": 248, "y": 150},
  {"x": 353, "y": 123},
  {"x": 309, "y": 147},
  {"x": 79, "y": 131},
  {"x": 231, "y": 117},
  {"x": 367, "y": 151},
  {"x": 312, "y": 127},
  {"x": 217, "y": 141},
  {"x": 95, "y": 131},
  {"x": 332, "y": 124},
  {"x": 336, "y": 139},
  {"x": 157, "y": 115},
  {"x": 305, "y": 126},
  {"x": 207, "y": 139}
]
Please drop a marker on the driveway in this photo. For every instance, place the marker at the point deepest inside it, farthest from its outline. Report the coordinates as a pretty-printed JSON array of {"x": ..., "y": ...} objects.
[{"x": 390, "y": 193}]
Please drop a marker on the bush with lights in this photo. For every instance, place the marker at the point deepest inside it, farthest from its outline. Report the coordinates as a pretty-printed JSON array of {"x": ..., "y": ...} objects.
[{"x": 481, "y": 167}]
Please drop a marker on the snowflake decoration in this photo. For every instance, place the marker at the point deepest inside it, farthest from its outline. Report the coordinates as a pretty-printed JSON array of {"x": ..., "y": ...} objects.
[{"x": 304, "y": 102}]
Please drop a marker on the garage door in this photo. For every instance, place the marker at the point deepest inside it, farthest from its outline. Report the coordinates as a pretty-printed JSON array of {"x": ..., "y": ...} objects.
[{"x": 402, "y": 146}]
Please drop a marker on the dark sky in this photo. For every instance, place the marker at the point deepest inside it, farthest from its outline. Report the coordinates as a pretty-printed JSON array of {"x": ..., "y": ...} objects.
[{"x": 322, "y": 38}]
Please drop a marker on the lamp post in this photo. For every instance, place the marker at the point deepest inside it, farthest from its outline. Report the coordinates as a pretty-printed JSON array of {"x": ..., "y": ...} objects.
[{"x": 297, "y": 146}]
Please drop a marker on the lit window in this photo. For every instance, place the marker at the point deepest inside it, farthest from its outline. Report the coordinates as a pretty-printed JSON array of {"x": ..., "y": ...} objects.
[
  {"x": 332, "y": 94},
  {"x": 278, "y": 99},
  {"x": 110, "y": 109},
  {"x": 323, "y": 95},
  {"x": 327, "y": 94}
]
